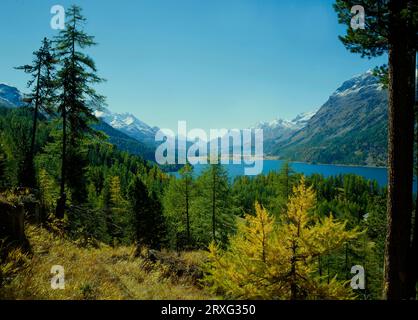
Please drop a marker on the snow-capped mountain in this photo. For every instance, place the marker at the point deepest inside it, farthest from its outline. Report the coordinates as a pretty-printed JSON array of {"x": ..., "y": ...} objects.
[
  {"x": 350, "y": 128},
  {"x": 128, "y": 124},
  {"x": 10, "y": 96},
  {"x": 279, "y": 129},
  {"x": 361, "y": 82}
]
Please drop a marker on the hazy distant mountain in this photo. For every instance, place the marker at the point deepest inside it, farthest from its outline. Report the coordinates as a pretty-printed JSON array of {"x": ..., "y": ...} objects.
[
  {"x": 130, "y": 125},
  {"x": 280, "y": 129},
  {"x": 10, "y": 97},
  {"x": 350, "y": 128}
]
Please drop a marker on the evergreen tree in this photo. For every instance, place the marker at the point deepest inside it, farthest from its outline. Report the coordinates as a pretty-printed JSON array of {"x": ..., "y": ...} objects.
[
  {"x": 147, "y": 210},
  {"x": 3, "y": 167},
  {"x": 177, "y": 207},
  {"x": 213, "y": 206},
  {"x": 42, "y": 84},
  {"x": 285, "y": 182},
  {"x": 392, "y": 27},
  {"x": 76, "y": 78}
]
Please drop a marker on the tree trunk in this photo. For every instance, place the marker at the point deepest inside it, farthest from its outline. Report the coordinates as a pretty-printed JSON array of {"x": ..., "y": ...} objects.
[
  {"x": 213, "y": 204},
  {"x": 61, "y": 201},
  {"x": 187, "y": 212},
  {"x": 400, "y": 154},
  {"x": 31, "y": 170},
  {"x": 413, "y": 264}
]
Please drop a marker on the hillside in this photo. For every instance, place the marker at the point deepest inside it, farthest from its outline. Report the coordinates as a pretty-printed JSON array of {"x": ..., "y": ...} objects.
[
  {"x": 124, "y": 131},
  {"x": 129, "y": 125},
  {"x": 350, "y": 128},
  {"x": 10, "y": 96},
  {"x": 125, "y": 142},
  {"x": 97, "y": 272}
]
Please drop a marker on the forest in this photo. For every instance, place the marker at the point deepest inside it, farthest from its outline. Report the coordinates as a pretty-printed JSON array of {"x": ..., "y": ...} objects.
[{"x": 123, "y": 228}]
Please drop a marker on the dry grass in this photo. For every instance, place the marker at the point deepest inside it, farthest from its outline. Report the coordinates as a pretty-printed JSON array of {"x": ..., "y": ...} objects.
[{"x": 97, "y": 273}]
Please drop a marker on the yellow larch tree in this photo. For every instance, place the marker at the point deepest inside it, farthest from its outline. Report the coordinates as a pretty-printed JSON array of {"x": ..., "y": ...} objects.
[{"x": 269, "y": 259}]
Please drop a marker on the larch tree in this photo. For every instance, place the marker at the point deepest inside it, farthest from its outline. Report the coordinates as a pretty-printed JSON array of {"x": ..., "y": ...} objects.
[
  {"x": 277, "y": 259},
  {"x": 41, "y": 99},
  {"x": 77, "y": 97},
  {"x": 391, "y": 27}
]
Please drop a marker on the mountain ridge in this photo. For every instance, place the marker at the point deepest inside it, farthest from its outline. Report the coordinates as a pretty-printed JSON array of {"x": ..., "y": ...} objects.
[
  {"x": 337, "y": 133},
  {"x": 340, "y": 132}
]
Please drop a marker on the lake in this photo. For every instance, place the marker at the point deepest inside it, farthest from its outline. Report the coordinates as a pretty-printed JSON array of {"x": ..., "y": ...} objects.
[{"x": 378, "y": 174}]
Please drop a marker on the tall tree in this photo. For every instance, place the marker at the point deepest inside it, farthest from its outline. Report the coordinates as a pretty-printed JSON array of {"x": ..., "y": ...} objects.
[
  {"x": 76, "y": 78},
  {"x": 147, "y": 210},
  {"x": 285, "y": 182},
  {"x": 213, "y": 205},
  {"x": 177, "y": 206},
  {"x": 391, "y": 28},
  {"x": 41, "y": 98},
  {"x": 3, "y": 160}
]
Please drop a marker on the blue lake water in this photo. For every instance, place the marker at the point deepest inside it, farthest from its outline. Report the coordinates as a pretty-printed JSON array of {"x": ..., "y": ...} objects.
[{"x": 378, "y": 174}]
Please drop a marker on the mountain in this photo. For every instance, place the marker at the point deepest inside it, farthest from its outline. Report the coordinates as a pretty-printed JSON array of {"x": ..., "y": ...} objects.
[
  {"x": 350, "y": 128},
  {"x": 124, "y": 130},
  {"x": 130, "y": 125},
  {"x": 280, "y": 129},
  {"x": 125, "y": 142},
  {"x": 10, "y": 97}
]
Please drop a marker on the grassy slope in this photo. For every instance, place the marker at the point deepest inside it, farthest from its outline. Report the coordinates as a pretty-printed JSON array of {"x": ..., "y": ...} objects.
[{"x": 96, "y": 273}]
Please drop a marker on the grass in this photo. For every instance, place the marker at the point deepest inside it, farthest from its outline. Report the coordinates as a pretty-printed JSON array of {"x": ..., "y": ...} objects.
[{"x": 101, "y": 273}]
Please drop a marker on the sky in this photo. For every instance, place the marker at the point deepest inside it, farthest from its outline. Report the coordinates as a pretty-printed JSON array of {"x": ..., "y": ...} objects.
[{"x": 213, "y": 63}]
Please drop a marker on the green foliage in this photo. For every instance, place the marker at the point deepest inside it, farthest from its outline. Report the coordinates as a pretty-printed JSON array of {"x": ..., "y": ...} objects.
[
  {"x": 288, "y": 246},
  {"x": 41, "y": 99},
  {"x": 271, "y": 191},
  {"x": 3, "y": 167},
  {"x": 371, "y": 41},
  {"x": 147, "y": 210},
  {"x": 212, "y": 209},
  {"x": 75, "y": 81}
]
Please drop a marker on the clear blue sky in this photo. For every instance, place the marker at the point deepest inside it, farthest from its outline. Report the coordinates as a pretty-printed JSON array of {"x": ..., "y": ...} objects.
[{"x": 214, "y": 63}]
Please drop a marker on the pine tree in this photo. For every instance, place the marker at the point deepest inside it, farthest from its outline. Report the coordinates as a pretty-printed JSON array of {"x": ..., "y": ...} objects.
[
  {"x": 285, "y": 182},
  {"x": 177, "y": 207},
  {"x": 392, "y": 27},
  {"x": 3, "y": 167},
  {"x": 212, "y": 208},
  {"x": 269, "y": 259},
  {"x": 76, "y": 77},
  {"x": 42, "y": 97},
  {"x": 147, "y": 210}
]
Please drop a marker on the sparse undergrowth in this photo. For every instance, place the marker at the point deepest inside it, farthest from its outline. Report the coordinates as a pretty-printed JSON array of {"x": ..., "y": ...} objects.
[{"x": 99, "y": 273}]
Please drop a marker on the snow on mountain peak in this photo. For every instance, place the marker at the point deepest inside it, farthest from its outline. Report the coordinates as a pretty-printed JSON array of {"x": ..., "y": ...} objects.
[
  {"x": 357, "y": 83},
  {"x": 10, "y": 95},
  {"x": 295, "y": 124},
  {"x": 127, "y": 123}
]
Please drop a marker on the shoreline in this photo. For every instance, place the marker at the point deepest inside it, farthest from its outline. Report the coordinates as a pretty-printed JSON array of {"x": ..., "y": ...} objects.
[{"x": 326, "y": 164}]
